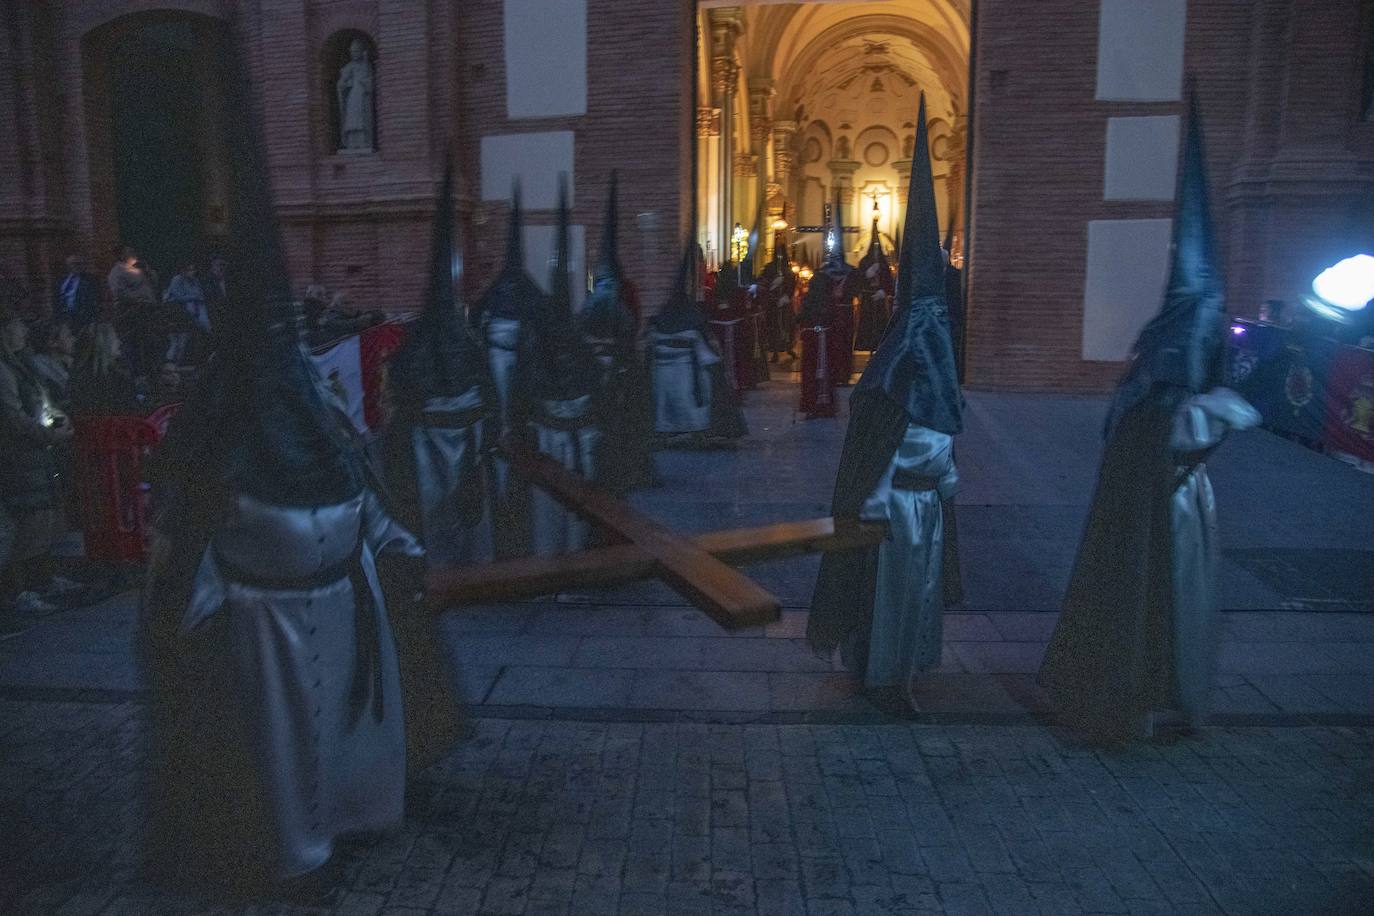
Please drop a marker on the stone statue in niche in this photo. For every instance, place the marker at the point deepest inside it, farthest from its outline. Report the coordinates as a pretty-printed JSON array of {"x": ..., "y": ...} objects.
[
  {"x": 357, "y": 132},
  {"x": 842, "y": 148},
  {"x": 908, "y": 144}
]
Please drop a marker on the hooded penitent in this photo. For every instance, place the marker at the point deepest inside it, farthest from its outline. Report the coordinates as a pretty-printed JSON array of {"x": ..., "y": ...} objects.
[
  {"x": 562, "y": 420},
  {"x": 903, "y": 412},
  {"x": 606, "y": 317},
  {"x": 1182, "y": 346},
  {"x": 513, "y": 294},
  {"x": 441, "y": 358},
  {"x": 274, "y": 675},
  {"x": 623, "y": 403},
  {"x": 1137, "y": 628},
  {"x": 776, "y": 288},
  {"x": 914, "y": 365},
  {"x": 875, "y": 287},
  {"x": 563, "y": 368},
  {"x": 440, "y": 389},
  {"x": 690, "y": 391},
  {"x": 682, "y": 312}
]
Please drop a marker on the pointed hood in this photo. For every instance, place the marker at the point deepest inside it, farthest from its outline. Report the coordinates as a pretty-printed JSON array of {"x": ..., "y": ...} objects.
[
  {"x": 608, "y": 264},
  {"x": 257, "y": 422},
  {"x": 605, "y": 314},
  {"x": 681, "y": 312},
  {"x": 835, "y": 265},
  {"x": 513, "y": 294},
  {"x": 441, "y": 358},
  {"x": 748, "y": 269},
  {"x": 1182, "y": 346},
  {"x": 564, "y": 368},
  {"x": 914, "y": 366},
  {"x": 875, "y": 253}
]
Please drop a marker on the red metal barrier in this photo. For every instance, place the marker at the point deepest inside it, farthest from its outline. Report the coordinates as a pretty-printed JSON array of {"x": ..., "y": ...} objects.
[{"x": 110, "y": 452}]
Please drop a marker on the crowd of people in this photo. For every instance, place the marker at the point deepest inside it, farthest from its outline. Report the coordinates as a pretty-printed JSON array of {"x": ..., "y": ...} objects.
[{"x": 123, "y": 347}]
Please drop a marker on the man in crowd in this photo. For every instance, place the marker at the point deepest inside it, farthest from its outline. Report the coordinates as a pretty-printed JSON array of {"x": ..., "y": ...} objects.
[
  {"x": 136, "y": 312},
  {"x": 76, "y": 298},
  {"x": 189, "y": 314}
]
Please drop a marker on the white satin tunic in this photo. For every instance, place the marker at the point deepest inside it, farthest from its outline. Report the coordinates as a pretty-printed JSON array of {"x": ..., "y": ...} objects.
[{"x": 327, "y": 764}]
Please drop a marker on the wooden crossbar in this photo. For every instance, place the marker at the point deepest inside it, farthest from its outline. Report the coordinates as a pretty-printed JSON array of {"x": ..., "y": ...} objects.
[
  {"x": 725, "y": 594},
  {"x": 516, "y": 580}
]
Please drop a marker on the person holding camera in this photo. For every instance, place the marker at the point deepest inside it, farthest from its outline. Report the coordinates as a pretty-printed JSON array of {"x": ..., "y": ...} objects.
[{"x": 31, "y": 426}]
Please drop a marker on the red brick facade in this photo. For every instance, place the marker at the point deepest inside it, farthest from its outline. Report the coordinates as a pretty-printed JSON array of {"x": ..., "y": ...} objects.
[{"x": 1280, "y": 83}]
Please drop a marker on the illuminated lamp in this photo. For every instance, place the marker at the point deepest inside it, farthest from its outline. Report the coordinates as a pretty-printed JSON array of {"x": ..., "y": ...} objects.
[{"x": 1343, "y": 290}]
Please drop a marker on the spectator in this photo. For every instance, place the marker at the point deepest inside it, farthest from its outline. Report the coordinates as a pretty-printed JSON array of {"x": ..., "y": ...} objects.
[
  {"x": 76, "y": 299},
  {"x": 53, "y": 347},
  {"x": 101, "y": 384},
  {"x": 137, "y": 312},
  {"x": 30, "y": 428},
  {"x": 186, "y": 292}
]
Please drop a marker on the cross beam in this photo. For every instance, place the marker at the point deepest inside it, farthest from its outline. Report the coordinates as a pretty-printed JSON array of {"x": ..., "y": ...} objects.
[
  {"x": 696, "y": 567},
  {"x": 618, "y": 564}
]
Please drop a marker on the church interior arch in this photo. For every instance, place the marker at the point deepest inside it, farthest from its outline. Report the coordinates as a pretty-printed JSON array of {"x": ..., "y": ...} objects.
[{"x": 825, "y": 100}]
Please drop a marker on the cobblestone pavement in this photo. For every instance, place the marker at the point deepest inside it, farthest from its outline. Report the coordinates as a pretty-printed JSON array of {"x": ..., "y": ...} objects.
[
  {"x": 630, "y": 757},
  {"x": 641, "y": 818}
]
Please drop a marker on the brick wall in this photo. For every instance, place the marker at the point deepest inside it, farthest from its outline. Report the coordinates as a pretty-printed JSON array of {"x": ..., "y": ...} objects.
[
  {"x": 637, "y": 120},
  {"x": 1279, "y": 85},
  {"x": 1292, "y": 167}
]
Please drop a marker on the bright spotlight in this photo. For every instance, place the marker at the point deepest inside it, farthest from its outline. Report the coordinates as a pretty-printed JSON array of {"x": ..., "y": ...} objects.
[{"x": 1343, "y": 288}]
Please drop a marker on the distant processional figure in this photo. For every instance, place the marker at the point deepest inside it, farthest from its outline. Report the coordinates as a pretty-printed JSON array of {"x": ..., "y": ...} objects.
[{"x": 357, "y": 130}]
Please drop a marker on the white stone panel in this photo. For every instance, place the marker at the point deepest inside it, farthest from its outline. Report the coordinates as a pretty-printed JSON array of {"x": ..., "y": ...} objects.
[
  {"x": 540, "y": 242},
  {"x": 1140, "y": 50},
  {"x": 1128, "y": 265},
  {"x": 536, "y": 159},
  {"x": 546, "y": 58},
  {"x": 1142, "y": 158}
]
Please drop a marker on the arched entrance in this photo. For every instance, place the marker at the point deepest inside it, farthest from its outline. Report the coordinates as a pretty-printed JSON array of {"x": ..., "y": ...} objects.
[
  {"x": 801, "y": 103},
  {"x": 154, "y": 114}
]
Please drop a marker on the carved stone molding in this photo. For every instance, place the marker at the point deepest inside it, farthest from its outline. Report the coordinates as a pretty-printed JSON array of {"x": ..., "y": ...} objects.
[
  {"x": 746, "y": 165},
  {"x": 708, "y": 122}
]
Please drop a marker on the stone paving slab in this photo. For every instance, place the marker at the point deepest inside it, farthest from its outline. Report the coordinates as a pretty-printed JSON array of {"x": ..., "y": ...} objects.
[{"x": 578, "y": 817}]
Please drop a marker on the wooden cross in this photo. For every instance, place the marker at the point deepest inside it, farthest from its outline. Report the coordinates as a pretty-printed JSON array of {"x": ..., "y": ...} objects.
[{"x": 699, "y": 568}]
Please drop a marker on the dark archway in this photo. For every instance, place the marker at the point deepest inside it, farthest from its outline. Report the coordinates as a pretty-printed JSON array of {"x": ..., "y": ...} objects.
[{"x": 155, "y": 111}]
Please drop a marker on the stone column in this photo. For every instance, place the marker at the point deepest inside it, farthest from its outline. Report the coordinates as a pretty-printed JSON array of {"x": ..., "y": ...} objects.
[
  {"x": 708, "y": 194},
  {"x": 780, "y": 190},
  {"x": 954, "y": 186},
  {"x": 726, "y": 25},
  {"x": 760, "y": 132}
]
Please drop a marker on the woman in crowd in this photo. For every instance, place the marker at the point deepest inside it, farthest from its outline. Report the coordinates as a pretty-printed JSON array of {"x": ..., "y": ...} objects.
[
  {"x": 30, "y": 429},
  {"x": 53, "y": 347}
]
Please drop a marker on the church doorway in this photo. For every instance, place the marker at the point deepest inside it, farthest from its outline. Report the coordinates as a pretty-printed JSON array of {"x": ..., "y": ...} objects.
[
  {"x": 799, "y": 103},
  {"x": 153, "y": 114}
]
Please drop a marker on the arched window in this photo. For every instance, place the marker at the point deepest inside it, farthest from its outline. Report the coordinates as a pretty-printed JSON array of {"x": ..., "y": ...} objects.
[{"x": 350, "y": 83}]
